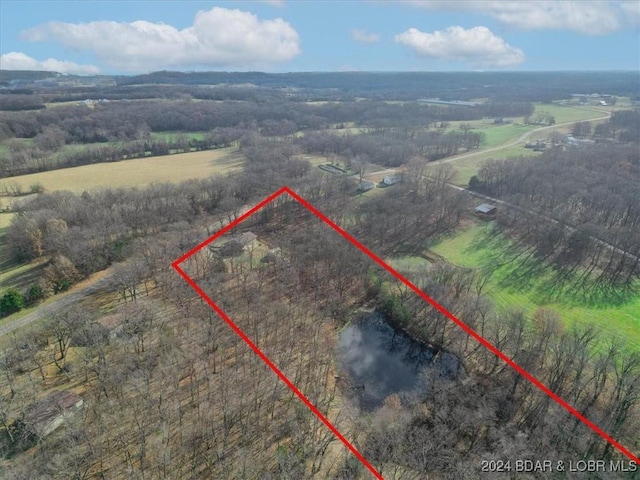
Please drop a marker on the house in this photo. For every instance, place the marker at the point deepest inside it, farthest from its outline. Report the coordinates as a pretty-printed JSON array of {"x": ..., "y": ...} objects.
[
  {"x": 389, "y": 180},
  {"x": 245, "y": 239},
  {"x": 366, "y": 185},
  {"x": 486, "y": 210},
  {"x": 44, "y": 416},
  {"x": 235, "y": 245}
]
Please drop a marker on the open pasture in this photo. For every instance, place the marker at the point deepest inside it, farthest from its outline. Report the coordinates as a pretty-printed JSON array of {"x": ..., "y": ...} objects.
[
  {"x": 466, "y": 249},
  {"x": 138, "y": 172}
]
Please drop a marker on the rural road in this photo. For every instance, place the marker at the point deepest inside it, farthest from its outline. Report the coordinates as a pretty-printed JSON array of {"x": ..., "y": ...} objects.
[
  {"x": 522, "y": 138},
  {"x": 77, "y": 293},
  {"x": 87, "y": 287},
  {"x": 572, "y": 229}
]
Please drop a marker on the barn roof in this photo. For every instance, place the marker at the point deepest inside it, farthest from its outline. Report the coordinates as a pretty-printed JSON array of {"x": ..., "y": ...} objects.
[
  {"x": 485, "y": 208},
  {"x": 245, "y": 238}
]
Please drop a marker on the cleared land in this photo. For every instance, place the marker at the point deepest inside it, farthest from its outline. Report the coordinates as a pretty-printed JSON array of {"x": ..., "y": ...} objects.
[
  {"x": 138, "y": 172},
  {"x": 466, "y": 249},
  {"x": 497, "y": 135},
  {"x": 468, "y": 167}
]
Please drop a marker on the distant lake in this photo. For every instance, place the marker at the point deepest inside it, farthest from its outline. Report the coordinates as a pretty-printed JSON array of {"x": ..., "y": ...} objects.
[{"x": 384, "y": 360}]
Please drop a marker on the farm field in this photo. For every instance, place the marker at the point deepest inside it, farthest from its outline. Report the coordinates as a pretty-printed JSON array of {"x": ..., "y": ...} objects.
[
  {"x": 466, "y": 249},
  {"x": 137, "y": 172},
  {"x": 502, "y": 134},
  {"x": 468, "y": 167},
  {"x": 563, "y": 113}
]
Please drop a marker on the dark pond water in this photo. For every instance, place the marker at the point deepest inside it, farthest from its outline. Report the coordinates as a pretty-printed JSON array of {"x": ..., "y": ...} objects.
[{"x": 384, "y": 361}]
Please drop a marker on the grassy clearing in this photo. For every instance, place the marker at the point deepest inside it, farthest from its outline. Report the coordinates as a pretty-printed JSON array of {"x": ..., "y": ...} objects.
[
  {"x": 563, "y": 113},
  {"x": 409, "y": 263},
  {"x": 466, "y": 249},
  {"x": 500, "y": 134},
  {"x": 169, "y": 136},
  {"x": 468, "y": 167},
  {"x": 138, "y": 172}
]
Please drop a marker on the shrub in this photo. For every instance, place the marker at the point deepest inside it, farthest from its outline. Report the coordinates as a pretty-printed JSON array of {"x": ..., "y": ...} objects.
[
  {"x": 36, "y": 188},
  {"x": 12, "y": 301}
]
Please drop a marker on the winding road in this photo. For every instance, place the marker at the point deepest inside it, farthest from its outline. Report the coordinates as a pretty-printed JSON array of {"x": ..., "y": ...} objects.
[{"x": 521, "y": 139}]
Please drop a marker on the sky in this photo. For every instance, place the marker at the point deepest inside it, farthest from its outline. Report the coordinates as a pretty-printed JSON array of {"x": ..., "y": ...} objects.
[{"x": 130, "y": 36}]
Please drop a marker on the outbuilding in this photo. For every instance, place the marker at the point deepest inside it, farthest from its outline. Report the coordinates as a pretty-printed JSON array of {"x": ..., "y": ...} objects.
[{"x": 486, "y": 210}]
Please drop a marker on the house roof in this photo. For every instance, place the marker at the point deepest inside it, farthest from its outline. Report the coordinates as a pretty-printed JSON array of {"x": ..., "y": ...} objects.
[
  {"x": 391, "y": 179},
  {"x": 485, "y": 208},
  {"x": 366, "y": 185},
  {"x": 245, "y": 238},
  {"x": 42, "y": 415}
]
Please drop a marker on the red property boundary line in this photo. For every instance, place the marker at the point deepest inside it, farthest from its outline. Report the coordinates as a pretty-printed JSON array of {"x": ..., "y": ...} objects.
[{"x": 424, "y": 296}]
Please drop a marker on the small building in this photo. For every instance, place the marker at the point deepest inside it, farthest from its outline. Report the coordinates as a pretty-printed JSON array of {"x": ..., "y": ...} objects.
[
  {"x": 486, "y": 210},
  {"x": 389, "y": 180},
  {"x": 245, "y": 239},
  {"x": 235, "y": 245},
  {"x": 44, "y": 416},
  {"x": 366, "y": 185}
]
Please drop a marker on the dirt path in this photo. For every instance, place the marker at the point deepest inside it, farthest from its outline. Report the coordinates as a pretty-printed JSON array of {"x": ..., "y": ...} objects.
[{"x": 93, "y": 284}]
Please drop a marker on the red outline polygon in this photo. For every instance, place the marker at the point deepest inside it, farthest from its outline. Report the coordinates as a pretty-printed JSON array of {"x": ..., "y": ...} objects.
[{"x": 388, "y": 268}]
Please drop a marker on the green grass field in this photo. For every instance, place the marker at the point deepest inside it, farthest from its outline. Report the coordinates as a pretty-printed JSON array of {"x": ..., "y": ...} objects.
[
  {"x": 501, "y": 134},
  {"x": 496, "y": 135},
  {"x": 175, "y": 135},
  {"x": 467, "y": 249},
  {"x": 564, "y": 113},
  {"x": 408, "y": 263},
  {"x": 137, "y": 172},
  {"x": 468, "y": 167}
]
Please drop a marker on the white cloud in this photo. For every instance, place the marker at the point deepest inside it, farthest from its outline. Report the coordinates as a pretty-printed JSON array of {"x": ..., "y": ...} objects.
[
  {"x": 362, "y": 36},
  {"x": 20, "y": 61},
  {"x": 587, "y": 17},
  {"x": 219, "y": 37},
  {"x": 477, "y": 46},
  {"x": 631, "y": 10}
]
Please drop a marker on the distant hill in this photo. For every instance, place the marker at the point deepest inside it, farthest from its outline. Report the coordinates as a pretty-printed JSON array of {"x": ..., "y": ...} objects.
[
  {"x": 27, "y": 75},
  {"x": 446, "y": 85}
]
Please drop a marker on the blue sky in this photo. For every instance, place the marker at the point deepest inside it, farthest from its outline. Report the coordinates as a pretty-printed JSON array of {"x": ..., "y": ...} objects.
[{"x": 279, "y": 36}]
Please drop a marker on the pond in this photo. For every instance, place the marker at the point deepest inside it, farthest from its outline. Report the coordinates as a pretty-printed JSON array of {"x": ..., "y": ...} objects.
[{"x": 379, "y": 360}]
